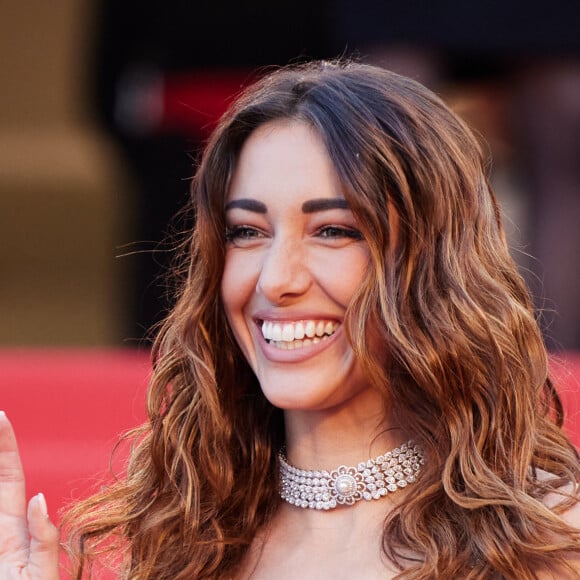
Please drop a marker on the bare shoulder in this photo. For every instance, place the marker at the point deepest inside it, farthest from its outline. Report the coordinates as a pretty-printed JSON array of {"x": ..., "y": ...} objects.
[{"x": 571, "y": 514}]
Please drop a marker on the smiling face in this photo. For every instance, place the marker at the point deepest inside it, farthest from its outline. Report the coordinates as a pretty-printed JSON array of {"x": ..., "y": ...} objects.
[{"x": 294, "y": 260}]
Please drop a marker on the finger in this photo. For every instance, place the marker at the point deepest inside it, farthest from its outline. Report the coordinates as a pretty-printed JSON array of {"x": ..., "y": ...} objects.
[
  {"x": 12, "y": 492},
  {"x": 44, "y": 541}
]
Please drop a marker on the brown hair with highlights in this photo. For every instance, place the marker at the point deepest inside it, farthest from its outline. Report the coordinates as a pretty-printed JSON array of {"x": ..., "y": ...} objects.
[{"x": 466, "y": 369}]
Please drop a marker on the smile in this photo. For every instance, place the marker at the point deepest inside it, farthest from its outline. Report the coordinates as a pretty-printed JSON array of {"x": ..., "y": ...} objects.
[{"x": 293, "y": 335}]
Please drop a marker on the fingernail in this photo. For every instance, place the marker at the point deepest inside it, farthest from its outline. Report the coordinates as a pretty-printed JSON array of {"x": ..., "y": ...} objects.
[
  {"x": 2, "y": 416},
  {"x": 42, "y": 504}
]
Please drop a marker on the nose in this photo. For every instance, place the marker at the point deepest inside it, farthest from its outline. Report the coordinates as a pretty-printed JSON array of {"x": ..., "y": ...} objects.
[{"x": 284, "y": 272}]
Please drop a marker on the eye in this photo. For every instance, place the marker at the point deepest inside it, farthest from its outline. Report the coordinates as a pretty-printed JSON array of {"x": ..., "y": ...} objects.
[
  {"x": 337, "y": 232},
  {"x": 240, "y": 234}
]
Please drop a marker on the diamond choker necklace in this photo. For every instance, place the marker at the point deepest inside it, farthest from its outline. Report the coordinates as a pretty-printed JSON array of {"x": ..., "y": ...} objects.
[{"x": 372, "y": 479}]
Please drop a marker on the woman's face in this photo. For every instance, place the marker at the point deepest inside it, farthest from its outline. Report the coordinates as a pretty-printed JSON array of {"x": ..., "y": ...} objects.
[{"x": 294, "y": 260}]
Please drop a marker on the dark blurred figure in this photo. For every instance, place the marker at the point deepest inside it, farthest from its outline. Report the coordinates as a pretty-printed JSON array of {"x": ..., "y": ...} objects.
[
  {"x": 519, "y": 61},
  {"x": 147, "y": 50}
]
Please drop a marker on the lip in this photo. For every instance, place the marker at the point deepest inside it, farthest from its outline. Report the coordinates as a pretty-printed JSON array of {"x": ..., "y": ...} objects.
[{"x": 274, "y": 354}]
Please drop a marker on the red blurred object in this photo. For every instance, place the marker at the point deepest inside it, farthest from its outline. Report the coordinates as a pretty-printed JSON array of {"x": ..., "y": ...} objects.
[
  {"x": 565, "y": 372},
  {"x": 70, "y": 406},
  {"x": 194, "y": 102}
]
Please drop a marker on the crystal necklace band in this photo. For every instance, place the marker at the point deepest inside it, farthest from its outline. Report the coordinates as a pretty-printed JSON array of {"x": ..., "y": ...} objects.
[{"x": 372, "y": 479}]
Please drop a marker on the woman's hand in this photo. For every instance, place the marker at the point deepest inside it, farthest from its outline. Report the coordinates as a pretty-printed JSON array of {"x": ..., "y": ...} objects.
[{"x": 28, "y": 540}]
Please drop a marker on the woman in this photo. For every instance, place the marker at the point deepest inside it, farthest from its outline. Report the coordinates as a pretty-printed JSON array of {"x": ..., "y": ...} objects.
[{"x": 349, "y": 300}]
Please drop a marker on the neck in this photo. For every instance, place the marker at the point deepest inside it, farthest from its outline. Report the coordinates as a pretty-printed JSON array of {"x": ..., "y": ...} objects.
[{"x": 344, "y": 435}]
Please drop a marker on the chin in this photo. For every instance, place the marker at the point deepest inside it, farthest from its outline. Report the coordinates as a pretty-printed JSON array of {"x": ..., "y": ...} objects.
[
  {"x": 291, "y": 400},
  {"x": 303, "y": 394}
]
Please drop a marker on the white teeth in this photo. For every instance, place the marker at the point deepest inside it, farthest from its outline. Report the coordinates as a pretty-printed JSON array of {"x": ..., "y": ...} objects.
[
  {"x": 299, "y": 331},
  {"x": 276, "y": 332},
  {"x": 292, "y": 335},
  {"x": 297, "y": 343},
  {"x": 297, "y": 334},
  {"x": 288, "y": 332}
]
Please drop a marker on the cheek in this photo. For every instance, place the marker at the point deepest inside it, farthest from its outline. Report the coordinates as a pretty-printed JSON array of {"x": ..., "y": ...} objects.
[
  {"x": 237, "y": 287},
  {"x": 230, "y": 297},
  {"x": 343, "y": 274}
]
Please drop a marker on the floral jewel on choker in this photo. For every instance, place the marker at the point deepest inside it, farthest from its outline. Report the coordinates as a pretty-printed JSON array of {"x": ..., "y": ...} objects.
[{"x": 373, "y": 479}]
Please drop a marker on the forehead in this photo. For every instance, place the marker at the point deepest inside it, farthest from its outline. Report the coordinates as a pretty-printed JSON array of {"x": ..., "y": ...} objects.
[{"x": 284, "y": 157}]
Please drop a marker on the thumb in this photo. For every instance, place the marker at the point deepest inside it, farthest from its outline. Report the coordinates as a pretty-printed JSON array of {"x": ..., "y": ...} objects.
[{"x": 44, "y": 541}]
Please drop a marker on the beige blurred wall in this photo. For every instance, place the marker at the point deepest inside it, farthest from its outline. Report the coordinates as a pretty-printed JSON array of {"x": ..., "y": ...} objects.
[{"x": 64, "y": 199}]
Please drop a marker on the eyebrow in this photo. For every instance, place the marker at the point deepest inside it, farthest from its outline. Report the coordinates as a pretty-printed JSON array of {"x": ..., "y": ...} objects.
[
  {"x": 323, "y": 204},
  {"x": 247, "y": 204},
  {"x": 310, "y": 206}
]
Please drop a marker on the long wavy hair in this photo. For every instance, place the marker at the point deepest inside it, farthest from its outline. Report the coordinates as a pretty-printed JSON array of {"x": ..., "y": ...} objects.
[{"x": 466, "y": 371}]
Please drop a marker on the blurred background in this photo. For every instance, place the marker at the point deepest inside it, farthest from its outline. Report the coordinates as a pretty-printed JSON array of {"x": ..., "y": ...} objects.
[{"x": 105, "y": 105}]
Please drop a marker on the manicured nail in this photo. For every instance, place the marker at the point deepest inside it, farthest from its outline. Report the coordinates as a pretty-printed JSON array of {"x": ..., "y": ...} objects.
[
  {"x": 2, "y": 416},
  {"x": 42, "y": 504}
]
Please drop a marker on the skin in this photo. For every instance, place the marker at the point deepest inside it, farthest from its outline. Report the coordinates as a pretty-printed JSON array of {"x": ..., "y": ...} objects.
[
  {"x": 288, "y": 265},
  {"x": 28, "y": 539},
  {"x": 294, "y": 254}
]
